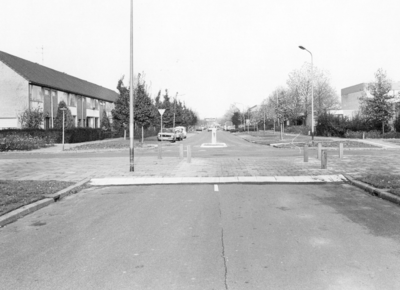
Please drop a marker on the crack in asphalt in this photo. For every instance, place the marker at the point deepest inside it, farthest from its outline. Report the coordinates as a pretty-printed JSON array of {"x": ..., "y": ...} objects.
[{"x": 223, "y": 247}]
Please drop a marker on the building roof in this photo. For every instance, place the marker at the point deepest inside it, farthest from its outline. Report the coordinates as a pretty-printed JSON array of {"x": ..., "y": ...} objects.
[
  {"x": 47, "y": 77},
  {"x": 353, "y": 89}
]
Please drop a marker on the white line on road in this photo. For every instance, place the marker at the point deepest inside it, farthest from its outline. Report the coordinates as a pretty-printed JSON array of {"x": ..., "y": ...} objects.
[{"x": 216, "y": 187}]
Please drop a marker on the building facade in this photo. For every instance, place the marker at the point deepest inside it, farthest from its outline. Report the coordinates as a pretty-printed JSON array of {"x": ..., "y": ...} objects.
[
  {"x": 351, "y": 99},
  {"x": 27, "y": 85}
]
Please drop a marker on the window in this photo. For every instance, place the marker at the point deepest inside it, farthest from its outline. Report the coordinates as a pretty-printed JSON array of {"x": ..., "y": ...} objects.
[
  {"x": 71, "y": 100},
  {"x": 36, "y": 94},
  {"x": 62, "y": 96}
]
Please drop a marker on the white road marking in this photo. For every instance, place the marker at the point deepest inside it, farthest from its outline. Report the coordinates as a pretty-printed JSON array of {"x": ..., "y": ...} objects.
[{"x": 216, "y": 187}]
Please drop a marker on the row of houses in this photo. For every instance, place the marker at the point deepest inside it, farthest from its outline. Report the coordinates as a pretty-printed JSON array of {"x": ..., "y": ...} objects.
[{"x": 28, "y": 85}]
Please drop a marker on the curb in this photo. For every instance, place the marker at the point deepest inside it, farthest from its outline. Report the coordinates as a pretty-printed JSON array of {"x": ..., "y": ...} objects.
[
  {"x": 374, "y": 191},
  {"x": 30, "y": 208},
  {"x": 62, "y": 193},
  {"x": 23, "y": 211},
  {"x": 317, "y": 179}
]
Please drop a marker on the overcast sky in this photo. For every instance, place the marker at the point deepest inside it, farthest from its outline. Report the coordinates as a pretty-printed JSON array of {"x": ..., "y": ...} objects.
[{"x": 212, "y": 52}]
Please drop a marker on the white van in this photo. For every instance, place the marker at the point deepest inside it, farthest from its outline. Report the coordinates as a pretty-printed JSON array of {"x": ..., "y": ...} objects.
[{"x": 183, "y": 129}]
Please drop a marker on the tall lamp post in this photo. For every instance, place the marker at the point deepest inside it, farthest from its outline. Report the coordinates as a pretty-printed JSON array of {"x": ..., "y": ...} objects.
[
  {"x": 131, "y": 100},
  {"x": 249, "y": 111},
  {"x": 312, "y": 93},
  {"x": 242, "y": 117},
  {"x": 173, "y": 126},
  {"x": 63, "y": 110}
]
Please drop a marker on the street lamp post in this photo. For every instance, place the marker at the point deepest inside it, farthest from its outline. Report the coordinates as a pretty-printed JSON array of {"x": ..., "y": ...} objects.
[
  {"x": 174, "y": 108},
  {"x": 249, "y": 111},
  {"x": 312, "y": 93},
  {"x": 131, "y": 100},
  {"x": 63, "y": 110}
]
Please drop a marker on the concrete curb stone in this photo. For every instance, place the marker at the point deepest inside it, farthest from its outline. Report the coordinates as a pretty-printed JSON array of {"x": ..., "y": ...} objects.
[
  {"x": 23, "y": 211},
  {"x": 62, "y": 193},
  {"x": 374, "y": 191},
  {"x": 30, "y": 208}
]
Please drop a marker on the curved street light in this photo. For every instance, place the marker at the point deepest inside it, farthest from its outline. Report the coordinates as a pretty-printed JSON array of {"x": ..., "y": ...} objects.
[{"x": 312, "y": 93}]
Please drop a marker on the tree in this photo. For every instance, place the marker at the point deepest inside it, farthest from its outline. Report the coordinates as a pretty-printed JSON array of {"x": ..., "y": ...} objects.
[
  {"x": 68, "y": 119},
  {"x": 299, "y": 90},
  {"x": 144, "y": 110},
  {"x": 105, "y": 121},
  {"x": 144, "y": 107},
  {"x": 378, "y": 108},
  {"x": 32, "y": 119},
  {"x": 236, "y": 119},
  {"x": 120, "y": 113}
]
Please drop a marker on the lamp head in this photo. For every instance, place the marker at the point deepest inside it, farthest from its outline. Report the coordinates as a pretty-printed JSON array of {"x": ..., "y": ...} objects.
[{"x": 301, "y": 47}]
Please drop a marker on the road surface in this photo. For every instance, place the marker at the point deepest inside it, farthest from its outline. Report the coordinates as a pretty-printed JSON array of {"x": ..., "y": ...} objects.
[{"x": 329, "y": 236}]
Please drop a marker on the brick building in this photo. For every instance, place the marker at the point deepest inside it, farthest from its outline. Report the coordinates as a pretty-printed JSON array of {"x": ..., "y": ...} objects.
[{"x": 28, "y": 85}]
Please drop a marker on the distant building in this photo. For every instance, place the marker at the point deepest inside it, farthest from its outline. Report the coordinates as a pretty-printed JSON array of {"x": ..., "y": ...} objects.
[
  {"x": 27, "y": 85},
  {"x": 351, "y": 98}
]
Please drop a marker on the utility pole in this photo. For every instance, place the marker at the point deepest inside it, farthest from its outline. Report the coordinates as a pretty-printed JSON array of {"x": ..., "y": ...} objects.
[
  {"x": 131, "y": 100},
  {"x": 175, "y": 108}
]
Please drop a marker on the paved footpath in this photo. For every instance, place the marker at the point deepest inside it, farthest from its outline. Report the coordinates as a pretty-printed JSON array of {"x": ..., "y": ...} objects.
[{"x": 76, "y": 169}]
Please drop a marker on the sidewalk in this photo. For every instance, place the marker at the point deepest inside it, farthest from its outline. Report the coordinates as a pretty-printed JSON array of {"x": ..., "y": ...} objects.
[{"x": 81, "y": 166}]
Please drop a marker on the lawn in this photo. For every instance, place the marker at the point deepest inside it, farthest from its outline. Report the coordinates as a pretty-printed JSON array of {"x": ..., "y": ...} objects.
[
  {"x": 391, "y": 182},
  {"x": 329, "y": 144},
  {"x": 394, "y": 141},
  {"x": 17, "y": 193},
  {"x": 114, "y": 144}
]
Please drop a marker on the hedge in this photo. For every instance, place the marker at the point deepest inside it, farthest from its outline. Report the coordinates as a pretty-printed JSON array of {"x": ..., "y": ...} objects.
[
  {"x": 72, "y": 135},
  {"x": 22, "y": 142}
]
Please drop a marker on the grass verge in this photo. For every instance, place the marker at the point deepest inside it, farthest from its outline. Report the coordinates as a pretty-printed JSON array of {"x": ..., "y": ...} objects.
[
  {"x": 115, "y": 144},
  {"x": 330, "y": 144},
  {"x": 390, "y": 182},
  {"x": 17, "y": 193}
]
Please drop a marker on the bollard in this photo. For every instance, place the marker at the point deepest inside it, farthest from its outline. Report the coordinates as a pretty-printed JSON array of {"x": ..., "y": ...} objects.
[
  {"x": 340, "y": 150},
  {"x": 319, "y": 151},
  {"x": 181, "y": 151},
  {"x": 306, "y": 153},
  {"x": 160, "y": 150},
  {"x": 324, "y": 159},
  {"x": 189, "y": 154},
  {"x": 363, "y": 135}
]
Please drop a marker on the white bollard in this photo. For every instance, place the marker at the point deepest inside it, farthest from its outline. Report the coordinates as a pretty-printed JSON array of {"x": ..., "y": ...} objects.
[
  {"x": 340, "y": 150},
  {"x": 319, "y": 151},
  {"x": 189, "y": 154},
  {"x": 181, "y": 151}
]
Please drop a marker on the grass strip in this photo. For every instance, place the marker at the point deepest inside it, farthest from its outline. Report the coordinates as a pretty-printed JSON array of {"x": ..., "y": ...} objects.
[
  {"x": 17, "y": 193},
  {"x": 390, "y": 182}
]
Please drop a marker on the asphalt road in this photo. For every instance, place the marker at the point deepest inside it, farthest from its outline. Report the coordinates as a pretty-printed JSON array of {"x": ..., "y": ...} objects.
[{"x": 329, "y": 236}]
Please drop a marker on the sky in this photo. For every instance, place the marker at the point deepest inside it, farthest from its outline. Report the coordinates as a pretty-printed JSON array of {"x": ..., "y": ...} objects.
[{"x": 213, "y": 53}]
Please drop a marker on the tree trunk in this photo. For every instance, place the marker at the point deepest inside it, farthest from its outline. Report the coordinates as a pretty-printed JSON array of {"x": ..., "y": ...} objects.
[{"x": 383, "y": 127}]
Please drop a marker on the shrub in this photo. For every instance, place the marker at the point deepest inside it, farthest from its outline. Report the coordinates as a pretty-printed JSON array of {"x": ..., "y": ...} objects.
[
  {"x": 68, "y": 119},
  {"x": 396, "y": 123},
  {"x": 31, "y": 118},
  {"x": 298, "y": 130},
  {"x": 338, "y": 126},
  {"x": 21, "y": 142},
  {"x": 331, "y": 125},
  {"x": 105, "y": 121}
]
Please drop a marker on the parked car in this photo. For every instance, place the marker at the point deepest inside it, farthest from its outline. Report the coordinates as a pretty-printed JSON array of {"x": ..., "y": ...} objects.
[
  {"x": 183, "y": 130},
  {"x": 167, "y": 135}
]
